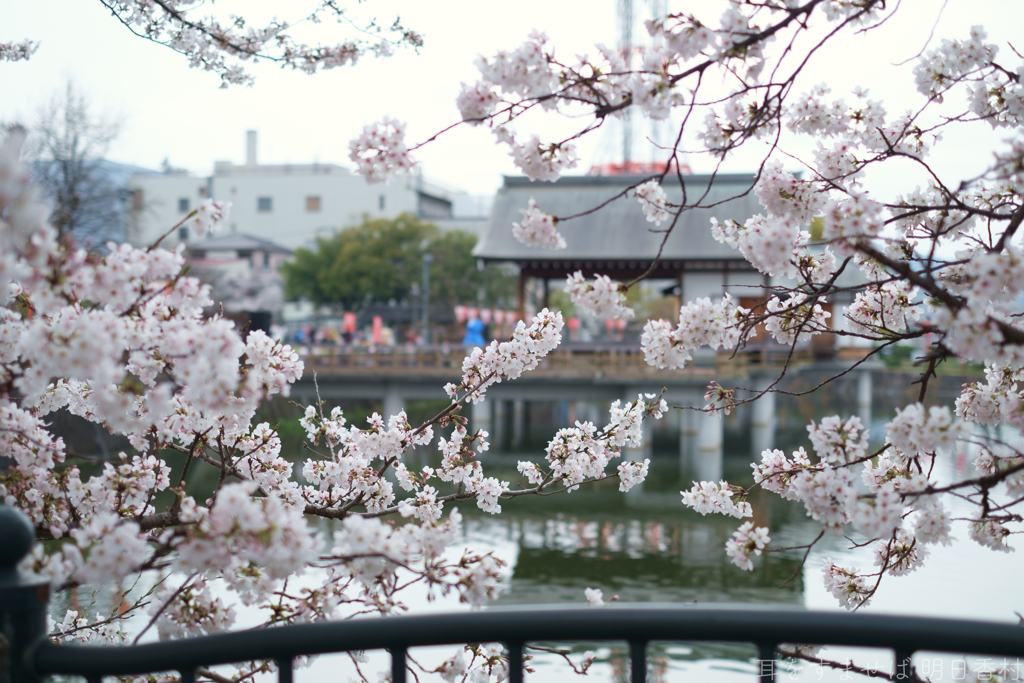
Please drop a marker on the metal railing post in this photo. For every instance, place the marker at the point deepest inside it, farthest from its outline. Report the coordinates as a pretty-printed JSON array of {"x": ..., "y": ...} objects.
[{"x": 23, "y": 599}]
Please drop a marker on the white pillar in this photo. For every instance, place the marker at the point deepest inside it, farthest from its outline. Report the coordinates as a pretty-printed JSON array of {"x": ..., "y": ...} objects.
[
  {"x": 480, "y": 418},
  {"x": 394, "y": 403},
  {"x": 763, "y": 419},
  {"x": 498, "y": 441},
  {"x": 688, "y": 422},
  {"x": 518, "y": 424},
  {"x": 864, "y": 391},
  {"x": 708, "y": 465}
]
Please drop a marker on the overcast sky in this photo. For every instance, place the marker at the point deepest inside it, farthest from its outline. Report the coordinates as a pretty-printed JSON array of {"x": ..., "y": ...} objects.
[{"x": 171, "y": 111}]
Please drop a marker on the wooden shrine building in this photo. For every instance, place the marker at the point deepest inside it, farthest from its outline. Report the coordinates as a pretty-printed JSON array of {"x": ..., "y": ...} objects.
[{"x": 612, "y": 236}]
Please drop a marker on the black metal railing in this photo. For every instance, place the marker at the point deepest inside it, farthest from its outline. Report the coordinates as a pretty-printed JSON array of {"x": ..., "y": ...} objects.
[{"x": 28, "y": 655}]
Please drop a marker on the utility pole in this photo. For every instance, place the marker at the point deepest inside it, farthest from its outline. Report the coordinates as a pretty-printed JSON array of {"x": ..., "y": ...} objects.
[{"x": 427, "y": 260}]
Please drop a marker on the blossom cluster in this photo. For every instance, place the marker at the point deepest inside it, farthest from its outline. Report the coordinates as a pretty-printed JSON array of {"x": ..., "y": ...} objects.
[
  {"x": 583, "y": 452},
  {"x": 537, "y": 229},
  {"x": 838, "y": 442},
  {"x": 890, "y": 307},
  {"x": 706, "y": 497},
  {"x": 602, "y": 297},
  {"x": 540, "y": 161},
  {"x": 994, "y": 401},
  {"x": 16, "y": 52},
  {"x": 122, "y": 341},
  {"x": 848, "y": 587},
  {"x": 915, "y": 430},
  {"x": 508, "y": 360},
  {"x": 219, "y": 46},
  {"x": 746, "y": 541},
  {"x": 380, "y": 151},
  {"x": 208, "y": 216},
  {"x": 653, "y": 200},
  {"x": 947, "y": 64},
  {"x": 796, "y": 319},
  {"x": 701, "y": 323}
]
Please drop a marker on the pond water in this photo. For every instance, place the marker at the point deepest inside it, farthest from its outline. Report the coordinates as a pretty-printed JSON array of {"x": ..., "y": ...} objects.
[{"x": 644, "y": 546}]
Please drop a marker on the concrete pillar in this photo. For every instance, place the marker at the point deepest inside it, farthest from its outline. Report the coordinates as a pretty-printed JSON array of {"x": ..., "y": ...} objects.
[
  {"x": 700, "y": 437},
  {"x": 688, "y": 421},
  {"x": 394, "y": 402},
  {"x": 708, "y": 465},
  {"x": 864, "y": 391},
  {"x": 763, "y": 419},
  {"x": 480, "y": 418},
  {"x": 499, "y": 440},
  {"x": 646, "y": 448},
  {"x": 518, "y": 424}
]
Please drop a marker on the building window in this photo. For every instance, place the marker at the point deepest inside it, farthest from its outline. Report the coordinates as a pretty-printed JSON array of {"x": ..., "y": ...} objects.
[
  {"x": 264, "y": 204},
  {"x": 312, "y": 204},
  {"x": 137, "y": 200},
  {"x": 183, "y": 233},
  {"x": 266, "y": 259},
  {"x": 380, "y": 203},
  {"x": 183, "y": 205}
]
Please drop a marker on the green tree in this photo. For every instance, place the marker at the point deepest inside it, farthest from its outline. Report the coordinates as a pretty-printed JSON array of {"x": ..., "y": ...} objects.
[{"x": 382, "y": 259}]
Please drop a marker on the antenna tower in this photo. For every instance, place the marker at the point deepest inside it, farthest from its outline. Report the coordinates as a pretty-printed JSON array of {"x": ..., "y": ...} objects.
[
  {"x": 631, "y": 124},
  {"x": 626, "y": 52}
]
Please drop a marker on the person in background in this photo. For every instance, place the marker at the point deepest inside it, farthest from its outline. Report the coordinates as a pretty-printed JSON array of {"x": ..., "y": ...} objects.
[{"x": 474, "y": 334}]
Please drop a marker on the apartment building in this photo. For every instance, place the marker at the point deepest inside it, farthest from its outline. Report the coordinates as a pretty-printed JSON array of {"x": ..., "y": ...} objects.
[{"x": 290, "y": 204}]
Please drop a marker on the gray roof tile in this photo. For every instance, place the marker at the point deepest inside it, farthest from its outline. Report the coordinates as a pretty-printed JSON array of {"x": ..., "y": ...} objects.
[{"x": 617, "y": 230}]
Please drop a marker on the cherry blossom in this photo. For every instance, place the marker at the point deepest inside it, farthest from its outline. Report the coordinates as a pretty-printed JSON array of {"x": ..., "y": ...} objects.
[
  {"x": 540, "y": 161},
  {"x": 845, "y": 585},
  {"x": 208, "y": 216},
  {"x": 701, "y": 323},
  {"x": 746, "y": 541},
  {"x": 914, "y": 430},
  {"x": 219, "y": 44},
  {"x": 537, "y": 229},
  {"x": 794, "y": 320},
  {"x": 653, "y": 201},
  {"x": 602, "y": 297},
  {"x": 14, "y": 52},
  {"x": 889, "y": 307},
  {"x": 122, "y": 340},
  {"x": 707, "y": 497},
  {"x": 837, "y": 441},
  {"x": 508, "y": 360},
  {"x": 381, "y": 151},
  {"x": 991, "y": 534},
  {"x": 776, "y": 473},
  {"x": 902, "y": 554}
]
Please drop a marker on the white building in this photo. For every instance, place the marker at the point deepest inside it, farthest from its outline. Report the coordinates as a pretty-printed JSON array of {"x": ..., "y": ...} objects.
[{"x": 291, "y": 204}]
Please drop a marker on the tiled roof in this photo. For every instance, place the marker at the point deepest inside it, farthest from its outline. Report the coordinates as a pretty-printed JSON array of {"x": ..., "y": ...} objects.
[
  {"x": 618, "y": 230},
  {"x": 237, "y": 241}
]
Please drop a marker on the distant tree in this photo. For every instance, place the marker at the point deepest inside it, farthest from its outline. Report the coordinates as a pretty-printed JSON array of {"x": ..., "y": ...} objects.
[
  {"x": 67, "y": 145},
  {"x": 382, "y": 259}
]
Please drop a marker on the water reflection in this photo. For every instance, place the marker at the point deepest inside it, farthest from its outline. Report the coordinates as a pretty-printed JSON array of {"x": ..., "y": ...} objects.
[{"x": 645, "y": 546}]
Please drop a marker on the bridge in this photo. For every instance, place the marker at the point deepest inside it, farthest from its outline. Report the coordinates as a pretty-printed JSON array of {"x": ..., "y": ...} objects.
[{"x": 594, "y": 375}]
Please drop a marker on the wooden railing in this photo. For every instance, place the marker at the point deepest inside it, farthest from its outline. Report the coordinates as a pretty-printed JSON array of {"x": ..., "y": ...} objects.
[{"x": 571, "y": 362}]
